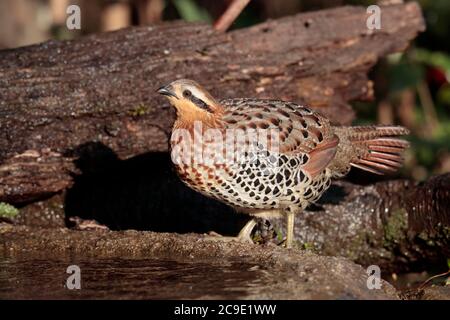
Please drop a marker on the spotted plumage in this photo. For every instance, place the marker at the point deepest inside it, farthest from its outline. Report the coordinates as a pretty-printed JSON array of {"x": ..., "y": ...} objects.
[{"x": 284, "y": 154}]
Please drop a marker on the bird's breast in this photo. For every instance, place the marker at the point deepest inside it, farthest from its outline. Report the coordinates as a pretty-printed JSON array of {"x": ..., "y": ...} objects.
[{"x": 259, "y": 180}]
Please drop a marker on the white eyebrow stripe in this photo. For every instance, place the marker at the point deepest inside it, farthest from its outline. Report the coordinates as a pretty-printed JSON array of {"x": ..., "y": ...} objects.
[{"x": 198, "y": 93}]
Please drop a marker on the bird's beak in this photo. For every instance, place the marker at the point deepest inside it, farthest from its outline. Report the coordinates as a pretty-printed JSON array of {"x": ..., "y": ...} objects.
[{"x": 167, "y": 91}]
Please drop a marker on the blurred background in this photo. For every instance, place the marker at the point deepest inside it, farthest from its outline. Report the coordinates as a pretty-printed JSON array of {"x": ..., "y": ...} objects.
[{"x": 411, "y": 88}]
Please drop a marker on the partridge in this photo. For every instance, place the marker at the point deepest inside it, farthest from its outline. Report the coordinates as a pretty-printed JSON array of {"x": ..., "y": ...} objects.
[{"x": 269, "y": 158}]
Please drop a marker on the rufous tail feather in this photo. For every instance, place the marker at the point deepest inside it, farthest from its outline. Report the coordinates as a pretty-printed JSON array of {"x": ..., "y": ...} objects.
[{"x": 381, "y": 148}]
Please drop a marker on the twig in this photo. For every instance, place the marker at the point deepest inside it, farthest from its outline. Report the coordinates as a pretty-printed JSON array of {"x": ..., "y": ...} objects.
[
  {"x": 428, "y": 107},
  {"x": 423, "y": 285},
  {"x": 228, "y": 17}
]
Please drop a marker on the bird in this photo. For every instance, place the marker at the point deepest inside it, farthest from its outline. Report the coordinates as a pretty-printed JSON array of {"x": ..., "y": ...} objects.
[{"x": 285, "y": 168}]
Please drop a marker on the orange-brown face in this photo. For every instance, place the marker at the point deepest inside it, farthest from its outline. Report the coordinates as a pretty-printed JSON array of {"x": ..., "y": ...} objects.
[{"x": 193, "y": 103}]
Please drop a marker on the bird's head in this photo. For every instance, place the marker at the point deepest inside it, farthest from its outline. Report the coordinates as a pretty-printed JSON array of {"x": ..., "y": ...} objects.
[{"x": 193, "y": 103}]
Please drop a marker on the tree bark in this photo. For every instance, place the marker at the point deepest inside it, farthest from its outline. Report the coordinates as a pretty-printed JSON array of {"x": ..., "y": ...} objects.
[{"x": 59, "y": 98}]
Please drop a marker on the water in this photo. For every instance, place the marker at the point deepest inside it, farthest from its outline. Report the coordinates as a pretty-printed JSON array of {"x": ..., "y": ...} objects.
[{"x": 129, "y": 279}]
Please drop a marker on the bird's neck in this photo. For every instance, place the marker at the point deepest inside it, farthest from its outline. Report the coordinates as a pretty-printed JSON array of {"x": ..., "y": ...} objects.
[{"x": 186, "y": 119}]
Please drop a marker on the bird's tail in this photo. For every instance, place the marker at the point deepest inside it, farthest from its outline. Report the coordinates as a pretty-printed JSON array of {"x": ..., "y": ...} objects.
[{"x": 377, "y": 149}]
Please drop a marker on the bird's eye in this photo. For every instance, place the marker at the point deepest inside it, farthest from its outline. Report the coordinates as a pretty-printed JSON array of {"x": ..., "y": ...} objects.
[{"x": 187, "y": 93}]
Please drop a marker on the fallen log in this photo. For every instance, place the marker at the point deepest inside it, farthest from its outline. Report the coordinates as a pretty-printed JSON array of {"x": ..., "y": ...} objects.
[{"x": 60, "y": 96}]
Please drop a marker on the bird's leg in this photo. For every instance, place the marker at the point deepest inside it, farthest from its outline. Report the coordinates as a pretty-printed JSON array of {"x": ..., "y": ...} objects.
[
  {"x": 290, "y": 229},
  {"x": 243, "y": 236}
]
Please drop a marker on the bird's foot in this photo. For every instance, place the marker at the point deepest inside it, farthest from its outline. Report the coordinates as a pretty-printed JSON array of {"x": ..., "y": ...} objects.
[
  {"x": 213, "y": 236},
  {"x": 243, "y": 236},
  {"x": 285, "y": 244}
]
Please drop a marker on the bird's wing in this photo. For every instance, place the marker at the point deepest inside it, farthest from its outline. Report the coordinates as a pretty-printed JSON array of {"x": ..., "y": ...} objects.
[{"x": 301, "y": 131}]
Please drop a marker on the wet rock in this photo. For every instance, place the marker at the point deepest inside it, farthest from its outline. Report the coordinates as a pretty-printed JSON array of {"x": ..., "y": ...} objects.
[
  {"x": 436, "y": 293},
  {"x": 288, "y": 274}
]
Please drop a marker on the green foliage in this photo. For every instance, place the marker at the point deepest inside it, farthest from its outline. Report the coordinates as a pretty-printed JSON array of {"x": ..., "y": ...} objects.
[
  {"x": 436, "y": 59},
  {"x": 279, "y": 234},
  {"x": 7, "y": 210},
  {"x": 404, "y": 74},
  {"x": 189, "y": 10},
  {"x": 443, "y": 94}
]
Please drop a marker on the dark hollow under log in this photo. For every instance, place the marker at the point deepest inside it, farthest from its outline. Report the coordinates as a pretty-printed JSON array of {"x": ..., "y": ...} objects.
[{"x": 59, "y": 96}]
